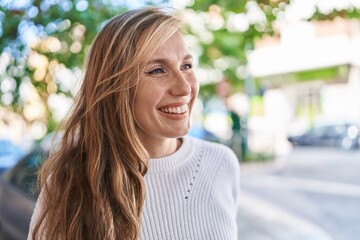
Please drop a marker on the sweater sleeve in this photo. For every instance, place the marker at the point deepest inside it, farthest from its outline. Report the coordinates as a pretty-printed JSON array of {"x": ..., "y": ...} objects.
[
  {"x": 36, "y": 214},
  {"x": 227, "y": 182},
  {"x": 226, "y": 191},
  {"x": 235, "y": 171}
]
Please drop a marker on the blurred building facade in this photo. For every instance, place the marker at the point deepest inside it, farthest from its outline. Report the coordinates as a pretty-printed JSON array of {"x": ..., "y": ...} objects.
[{"x": 309, "y": 74}]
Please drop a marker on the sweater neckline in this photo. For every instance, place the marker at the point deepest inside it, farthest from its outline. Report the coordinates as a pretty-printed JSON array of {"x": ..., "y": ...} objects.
[{"x": 172, "y": 161}]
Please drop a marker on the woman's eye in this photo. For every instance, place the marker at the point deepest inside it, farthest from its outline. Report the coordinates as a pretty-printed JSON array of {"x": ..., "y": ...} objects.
[
  {"x": 156, "y": 71},
  {"x": 187, "y": 66}
]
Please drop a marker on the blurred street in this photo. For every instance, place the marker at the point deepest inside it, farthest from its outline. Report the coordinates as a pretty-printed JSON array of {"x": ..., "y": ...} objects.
[{"x": 313, "y": 193}]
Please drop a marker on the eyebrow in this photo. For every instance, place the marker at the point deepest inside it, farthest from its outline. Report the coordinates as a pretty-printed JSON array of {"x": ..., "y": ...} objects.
[{"x": 164, "y": 60}]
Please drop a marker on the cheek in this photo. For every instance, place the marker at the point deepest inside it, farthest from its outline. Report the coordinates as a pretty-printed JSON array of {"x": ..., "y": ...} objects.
[
  {"x": 146, "y": 100},
  {"x": 195, "y": 86},
  {"x": 139, "y": 104}
]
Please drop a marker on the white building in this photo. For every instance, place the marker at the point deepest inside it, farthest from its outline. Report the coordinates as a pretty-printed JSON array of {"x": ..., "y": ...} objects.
[{"x": 329, "y": 48}]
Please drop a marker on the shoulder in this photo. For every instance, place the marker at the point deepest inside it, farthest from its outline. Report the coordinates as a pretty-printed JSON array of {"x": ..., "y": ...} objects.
[
  {"x": 222, "y": 162},
  {"x": 213, "y": 147},
  {"x": 216, "y": 153}
]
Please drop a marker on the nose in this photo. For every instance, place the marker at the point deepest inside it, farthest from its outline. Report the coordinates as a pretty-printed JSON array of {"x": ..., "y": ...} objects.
[{"x": 181, "y": 85}]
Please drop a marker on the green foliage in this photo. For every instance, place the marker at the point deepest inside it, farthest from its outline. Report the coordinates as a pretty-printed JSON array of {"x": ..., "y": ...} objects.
[
  {"x": 232, "y": 45},
  {"x": 258, "y": 157},
  {"x": 324, "y": 73},
  {"x": 25, "y": 30},
  {"x": 64, "y": 30},
  {"x": 348, "y": 14},
  {"x": 229, "y": 44},
  {"x": 235, "y": 6}
]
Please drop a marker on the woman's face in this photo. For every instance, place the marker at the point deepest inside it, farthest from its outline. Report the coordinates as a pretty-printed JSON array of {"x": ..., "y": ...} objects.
[{"x": 166, "y": 92}]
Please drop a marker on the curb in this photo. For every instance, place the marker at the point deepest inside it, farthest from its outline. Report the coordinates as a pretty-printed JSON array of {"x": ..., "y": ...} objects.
[{"x": 263, "y": 166}]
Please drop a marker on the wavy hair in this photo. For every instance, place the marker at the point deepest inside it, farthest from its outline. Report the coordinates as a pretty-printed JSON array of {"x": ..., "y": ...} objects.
[{"x": 92, "y": 187}]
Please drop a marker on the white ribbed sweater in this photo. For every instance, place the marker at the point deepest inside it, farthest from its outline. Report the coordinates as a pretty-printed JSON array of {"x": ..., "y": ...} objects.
[{"x": 192, "y": 194}]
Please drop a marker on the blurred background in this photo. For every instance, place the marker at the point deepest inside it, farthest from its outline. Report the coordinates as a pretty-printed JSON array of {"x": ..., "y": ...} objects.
[{"x": 280, "y": 85}]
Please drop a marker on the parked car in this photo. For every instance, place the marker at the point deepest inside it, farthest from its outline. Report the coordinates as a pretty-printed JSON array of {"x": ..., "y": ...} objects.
[
  {"x": 346, "y": 136},
  {"x": 18, "y": 197},
  {"x": 18, "y": 189},
  {"x": 10, "y": 154}
]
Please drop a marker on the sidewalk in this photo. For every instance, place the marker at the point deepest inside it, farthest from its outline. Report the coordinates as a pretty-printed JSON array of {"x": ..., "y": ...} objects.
[{"x": 262, "y": 220}]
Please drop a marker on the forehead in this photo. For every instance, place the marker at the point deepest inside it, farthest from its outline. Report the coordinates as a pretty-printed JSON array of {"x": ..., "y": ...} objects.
[{"x": 175, "y": 45}]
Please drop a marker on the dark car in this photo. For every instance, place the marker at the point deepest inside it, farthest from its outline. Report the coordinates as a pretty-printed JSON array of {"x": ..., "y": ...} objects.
[
  {"x": 345, "y": 136},
  {"x": 18, "y": 189},
  {"x": 18, "y": 197}
]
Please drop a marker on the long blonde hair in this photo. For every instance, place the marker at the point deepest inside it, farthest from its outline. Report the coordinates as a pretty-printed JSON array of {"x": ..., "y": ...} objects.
[{"x": 93, "y": 186}]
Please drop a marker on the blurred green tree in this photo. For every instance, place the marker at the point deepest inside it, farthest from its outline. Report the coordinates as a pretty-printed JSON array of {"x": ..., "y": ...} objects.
[
  {"x": 43, "y": 44},
  {"x": 39, "y": 40},
  {"x": 231, "y": 28}
]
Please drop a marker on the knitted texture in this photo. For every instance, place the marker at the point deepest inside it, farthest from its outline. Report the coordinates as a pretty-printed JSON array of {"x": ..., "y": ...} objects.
[{"x": 192, "y": 194}]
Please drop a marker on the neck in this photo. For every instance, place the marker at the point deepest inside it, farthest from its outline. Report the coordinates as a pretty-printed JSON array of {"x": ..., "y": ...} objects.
[{"x": 162, "y": 147}]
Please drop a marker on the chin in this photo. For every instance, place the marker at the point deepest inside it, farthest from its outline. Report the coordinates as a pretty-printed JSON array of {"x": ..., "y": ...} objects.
[{"x": 180, "y": 133}]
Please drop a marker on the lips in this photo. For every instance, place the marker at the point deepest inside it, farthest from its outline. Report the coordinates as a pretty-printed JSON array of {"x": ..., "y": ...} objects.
[{"x": 175, "y": 110}]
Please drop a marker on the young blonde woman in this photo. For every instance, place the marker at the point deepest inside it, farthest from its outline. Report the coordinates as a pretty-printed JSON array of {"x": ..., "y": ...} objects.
[{"x": 125, "y": 168}]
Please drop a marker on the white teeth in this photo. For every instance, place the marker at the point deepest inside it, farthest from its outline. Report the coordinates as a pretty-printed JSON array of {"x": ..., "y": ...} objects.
[
  {"x": 175, "y": 110},
  {"x": 183, "y": 108}
]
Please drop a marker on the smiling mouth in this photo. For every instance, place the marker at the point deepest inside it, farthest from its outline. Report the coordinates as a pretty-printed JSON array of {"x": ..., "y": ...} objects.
[{"x": 175, "y": 110}]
